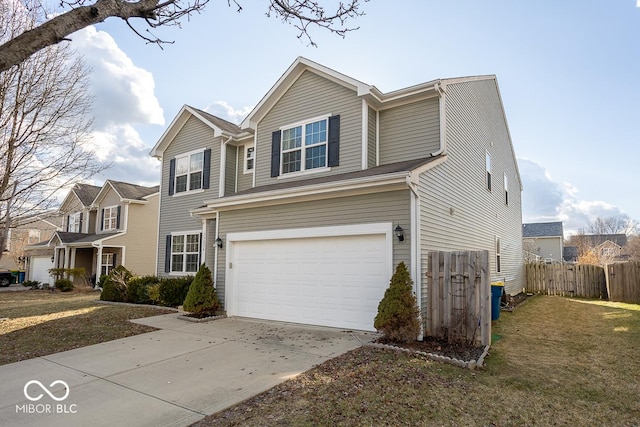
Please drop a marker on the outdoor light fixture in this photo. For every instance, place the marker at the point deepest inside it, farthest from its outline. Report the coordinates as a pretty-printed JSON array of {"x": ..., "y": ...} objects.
[
  {"x": 52, "y": 258},
  {"x": 399, "y": 233},
  {"x": 219, "y": 242}
]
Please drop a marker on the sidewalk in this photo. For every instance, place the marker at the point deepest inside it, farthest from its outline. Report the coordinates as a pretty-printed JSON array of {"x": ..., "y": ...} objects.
[{"x": 170, "y": 377}]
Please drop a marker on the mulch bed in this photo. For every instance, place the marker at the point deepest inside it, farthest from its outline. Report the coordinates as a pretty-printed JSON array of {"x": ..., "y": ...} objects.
[{"x": 441, "y": 347}]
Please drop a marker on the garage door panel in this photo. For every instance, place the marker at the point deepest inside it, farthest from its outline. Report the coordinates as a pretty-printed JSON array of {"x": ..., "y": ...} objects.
[{"x": 330, "y": 281}]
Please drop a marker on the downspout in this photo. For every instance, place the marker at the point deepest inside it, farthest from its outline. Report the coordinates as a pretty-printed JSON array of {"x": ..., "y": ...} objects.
[
  {"x": 414, "y": 218},
  {"x": 223, "y": 166},
  {"x": 443, "y": 122},
  {"x": 215, "y": 254}
]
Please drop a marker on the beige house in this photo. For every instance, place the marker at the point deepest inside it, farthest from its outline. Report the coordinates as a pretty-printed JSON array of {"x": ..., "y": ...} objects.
[
  {"x": 104, "y": 227},
  {"x": 303, "y": 210}
]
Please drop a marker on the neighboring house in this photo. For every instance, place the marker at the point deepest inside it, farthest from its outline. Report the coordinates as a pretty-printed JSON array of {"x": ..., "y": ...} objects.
[
  {"x": 570, "y": 254},
  {"x": 26, "y": 231},
  {"x": 104, "y": 227},
  {"x": 544, "y": 240},
  {"x": 606, "y": 247},
  {"x": 303, "y": 211}
]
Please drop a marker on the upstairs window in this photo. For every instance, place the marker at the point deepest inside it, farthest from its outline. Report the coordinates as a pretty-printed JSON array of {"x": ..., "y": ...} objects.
[
  {"x": 74, "y": 222},
  {"x": 306, "y": 146},
  {"x": 488, "y": 168},
  {"x": 498, "y": 256},
  {"x": 111, "y": 218},
  {"x": 189, "y": 172},
  {"x": 506, "y": 190},
  {"x": 249, "y": 158}
]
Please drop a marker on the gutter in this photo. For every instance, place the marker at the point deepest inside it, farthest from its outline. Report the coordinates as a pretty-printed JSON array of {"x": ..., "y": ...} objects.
[{"x": 443, "y": 123}]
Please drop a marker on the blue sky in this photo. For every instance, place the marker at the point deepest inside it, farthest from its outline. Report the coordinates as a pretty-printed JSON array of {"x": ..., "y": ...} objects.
[{"x": 568, "y": 72}]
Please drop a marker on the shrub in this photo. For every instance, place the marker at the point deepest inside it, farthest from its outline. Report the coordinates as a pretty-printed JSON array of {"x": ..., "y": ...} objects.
[
  {"x": 202, "y": 297},
  {"x": 138, "y": 289},
  {"x": 33, "y": 284},
  {"x": 397, "y": 316},
  {"x": 111, "y": 291},
  {"x": 173, "y": 290},
  {"x": 64, "y": 285},
  {"x": 153, "y": 291}
]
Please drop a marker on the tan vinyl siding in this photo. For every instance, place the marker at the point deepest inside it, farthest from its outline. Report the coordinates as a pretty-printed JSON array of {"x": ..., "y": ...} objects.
[
  {"x": 70, "y": 206},
  {"x": 230, "y": 171},
  {"x": 371, "y": 138},
  {"x": 245, "y": 180},
  {"x": 457, "y": 211},
  {"x": 409, "y": 131},
  {"x": 390, "y": 207},
  {"x": 309, "y": 97},
  {"x": 140, "y": 239},
  {"x": 174, "y": 210}
]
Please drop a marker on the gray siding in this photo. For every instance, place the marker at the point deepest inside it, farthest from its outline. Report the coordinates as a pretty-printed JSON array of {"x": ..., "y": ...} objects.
[
  {"x": 312, "y": 96},
  {"x": 245, "y": 180},
  {"x": 371, "y": 138},
  {"x": 382, "y": 207},
  {"x": 409, "y": 131},
  {"x": 475, "y": 124},
  {"x": 174, "y": 210}
]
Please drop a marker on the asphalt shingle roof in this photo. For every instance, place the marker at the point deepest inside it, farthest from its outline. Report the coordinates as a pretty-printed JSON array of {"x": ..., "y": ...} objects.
[
  {"x": 133, "y": 191},
  {"x": 86, "y": 192},
  {"x": 221, "y": 123},
  {"x": 542, "y": 229}
]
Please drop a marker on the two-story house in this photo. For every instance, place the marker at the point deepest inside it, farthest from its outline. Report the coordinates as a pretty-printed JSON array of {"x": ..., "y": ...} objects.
[
  {"x": 303, "y": 211},
  {"x": 104, "y": 227},
  {"x": 543, "y": 241}
]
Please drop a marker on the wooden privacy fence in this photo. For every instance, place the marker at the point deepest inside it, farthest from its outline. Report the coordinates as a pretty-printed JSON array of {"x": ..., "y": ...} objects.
[
  {"x": 575, "y": 280},
  {"x": 623, "y": 282},
  {"x": 456, "y": 301}
]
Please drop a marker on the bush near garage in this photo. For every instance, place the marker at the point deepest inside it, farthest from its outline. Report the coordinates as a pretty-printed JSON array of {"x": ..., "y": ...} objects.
[
  {"x": 397, "y": 316},
  {"x": 138, "y": 289},
  {"x": 173, "y": 290},
  {"x": 202, "y": 298},
  {"x": 64, "y": 285}
]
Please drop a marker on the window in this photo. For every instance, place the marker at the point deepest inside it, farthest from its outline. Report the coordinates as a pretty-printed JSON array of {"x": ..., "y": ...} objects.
[
  {"x": 506, "y": 190},
  {"x": 608, "y": 252},
  {"x": 34, "y": 236},
  {"x": 498, "y": 256},
  {"x": 110, "y": 218},
  {"x": 189, "y": 172},
  {"x": 488, "y": 167},
  {"x": 185, "y": 252},
  {"x": 249, "y": 158},
  {"x": 304, "y": 147},
  {"x": 74, "y": 222},
  {"x": 106, "y": 265}
]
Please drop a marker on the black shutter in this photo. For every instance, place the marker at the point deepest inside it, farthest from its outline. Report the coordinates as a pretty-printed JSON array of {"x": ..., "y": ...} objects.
[
  {"x": 80, "y": 225},
  {"x": 172, "y": 175},
  {"x": 167, "y": 255},
  {"x": 118, "y": 219},
  {"x": 68, "y": 221},
  {"x": 334, "y": 141},
  {"x": 200, "y": 252},
  {"x": 275, "y": 153},
  {"x": 113, "y": 261},
  {"x": 102, "y": 221},
  {"x": 206, "y": 168}
]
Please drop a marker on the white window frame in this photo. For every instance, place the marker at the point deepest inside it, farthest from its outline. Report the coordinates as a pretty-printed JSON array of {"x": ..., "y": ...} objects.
[
  {"x": 113, "y": 216},
  {"x": 188, "y": 173},
  {"x": 184, "y": 253},
  {"x": 249, "y": 148},
  {"x": 108, "y": 266},
  {"x": 34, "y": 236},
  {"x": 488, "y": 171},
  {"x": 498, "y": 255},
  {"x": 74, "y": 223},
  {"x": 506, "y": 189},
  {"x": 303, "y": 147}
]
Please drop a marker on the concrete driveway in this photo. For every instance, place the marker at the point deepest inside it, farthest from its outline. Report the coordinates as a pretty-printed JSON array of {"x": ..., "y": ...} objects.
[{"x": 170, "y": 377}]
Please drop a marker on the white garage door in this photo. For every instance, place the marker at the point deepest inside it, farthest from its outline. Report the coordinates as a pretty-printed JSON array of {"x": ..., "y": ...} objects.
[
  {"x": 39, "y": 270},
  {"x": 322, "y": 280}
]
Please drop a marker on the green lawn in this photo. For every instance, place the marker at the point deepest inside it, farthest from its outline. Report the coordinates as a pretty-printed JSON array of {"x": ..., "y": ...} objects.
[{"x": 557, "y": 362}]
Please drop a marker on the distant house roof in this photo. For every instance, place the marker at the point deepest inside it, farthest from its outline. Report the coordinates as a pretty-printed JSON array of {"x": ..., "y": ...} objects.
[
  {"x": 542, "y": 229},
  {"x": 86, "y": 192},
  {"x": 598, "y": 239},
  {"x": 570, "y": 253},
  {"x": 133, "y": 191}
]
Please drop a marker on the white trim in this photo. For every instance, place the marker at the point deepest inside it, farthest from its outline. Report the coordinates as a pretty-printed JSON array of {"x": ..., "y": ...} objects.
[
  {"x": 223, "y": 166},
  {"x": 103, "y": 217},
  {"x": 185, "y": 193},
  {"x": 377, "y": 138},
  {"x": 416, "y": 261},
  {"x": 235, "y": 186},
  {"x": 255, "y": 157},
  {"x": 215, "y": 252},
  {"x": 365, "y": 135},
  {"x": 184, "y": 233},
  {"x": 303, "y": 172},
  {"x": 303, "y": 146},
  {"x": 188, "y": 154},
  {"x": 307, "y": 121},
  {"x": 245, "y": 157}
]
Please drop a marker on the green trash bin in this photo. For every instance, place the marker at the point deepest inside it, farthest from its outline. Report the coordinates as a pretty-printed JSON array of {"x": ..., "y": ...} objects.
[
  {"x": 14, "y": 276},
  {"x": 497, "y": 288}
]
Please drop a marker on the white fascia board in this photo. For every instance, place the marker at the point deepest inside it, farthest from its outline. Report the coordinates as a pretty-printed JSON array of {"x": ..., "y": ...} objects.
[
  {"x": 385, "y": 228},
  {"x": 361, "y": 185}
]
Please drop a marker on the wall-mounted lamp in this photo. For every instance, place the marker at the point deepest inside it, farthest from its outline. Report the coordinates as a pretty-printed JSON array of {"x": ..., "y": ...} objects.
[
  {"x": 52, "y": 258},
  {"x": 399, "y": 233},
  {"x": 219, "y": 242},
  {"x": 22, "y": 258}
]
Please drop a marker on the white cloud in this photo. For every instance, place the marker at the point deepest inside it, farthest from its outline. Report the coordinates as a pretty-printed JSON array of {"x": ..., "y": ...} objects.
[
  {"x": 227, "y": 112},
  {"x": 544, "y": 199}
]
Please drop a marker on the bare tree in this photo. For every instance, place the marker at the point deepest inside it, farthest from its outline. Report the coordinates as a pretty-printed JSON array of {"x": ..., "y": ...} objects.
[
  {"x": 619, "y": 224},
  {"x": 44, "y": 125},
  {"x": 156, "y": 13}
]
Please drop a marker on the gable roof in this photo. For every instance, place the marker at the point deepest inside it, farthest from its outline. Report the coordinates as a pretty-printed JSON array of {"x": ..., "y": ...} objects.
[
  {"x": 126, "y": 191},
  {"x": 542, "y": 229},
  {"x": 85, "y": 193},
  {"x": 598, "y": 239},
  {"x": 220, "y": 127}
]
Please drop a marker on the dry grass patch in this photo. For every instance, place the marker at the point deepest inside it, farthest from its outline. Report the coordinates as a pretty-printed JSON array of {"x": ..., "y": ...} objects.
[
  {"x": 558, "y": 362},
  {"x": 37, "y": 323}
]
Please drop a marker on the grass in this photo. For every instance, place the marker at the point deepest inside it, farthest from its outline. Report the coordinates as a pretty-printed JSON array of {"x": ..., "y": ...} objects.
[
  {"x": 558, "y": 362},
  {"x": 38, "y": 323}
]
